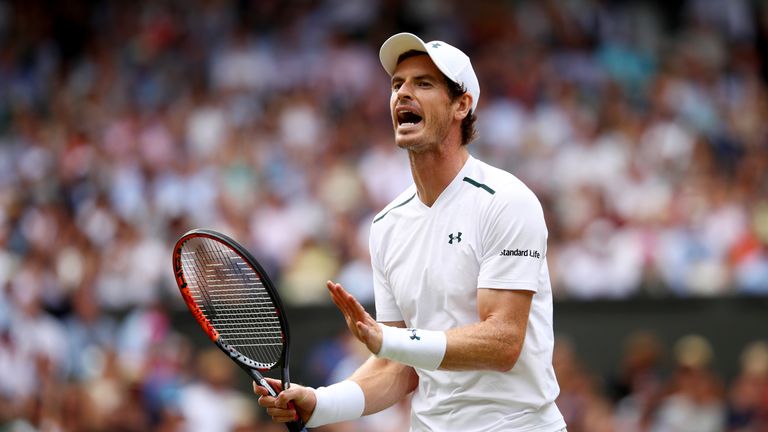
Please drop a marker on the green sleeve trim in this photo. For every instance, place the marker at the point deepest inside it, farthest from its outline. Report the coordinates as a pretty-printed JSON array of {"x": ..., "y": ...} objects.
[
  {"x": 479, "y": 185},
  {"x": 399, "y": 205}
]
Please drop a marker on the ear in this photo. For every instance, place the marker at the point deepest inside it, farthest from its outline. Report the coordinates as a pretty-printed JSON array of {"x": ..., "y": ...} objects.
[{"x": 463, "y": 106}]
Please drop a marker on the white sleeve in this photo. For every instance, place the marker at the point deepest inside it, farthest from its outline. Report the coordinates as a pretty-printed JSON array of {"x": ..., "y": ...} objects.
[
  {"x": 514, "y": 241},
  {"x": 386, "y": 306}
]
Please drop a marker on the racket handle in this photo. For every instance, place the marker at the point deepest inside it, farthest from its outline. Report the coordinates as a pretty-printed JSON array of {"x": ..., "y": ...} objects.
[
  {"x": 294, "y": 426},
  {"x": 297, "y": 426}
]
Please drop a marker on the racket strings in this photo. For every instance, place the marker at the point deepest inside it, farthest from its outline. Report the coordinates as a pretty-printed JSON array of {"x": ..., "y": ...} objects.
[{"x": 233, "y": 298}]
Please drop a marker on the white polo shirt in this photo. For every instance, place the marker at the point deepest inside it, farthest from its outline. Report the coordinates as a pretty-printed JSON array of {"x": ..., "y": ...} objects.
[{"x": 486, "y": 230}]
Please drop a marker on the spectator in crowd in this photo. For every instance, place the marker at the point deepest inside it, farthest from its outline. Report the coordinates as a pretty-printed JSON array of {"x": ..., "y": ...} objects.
[
  {"x": 694, "y": 399},
  {"x": 639, "y": 382},
  {"x": 748, "y": 393},
  {"x": 211, "y": 404}
]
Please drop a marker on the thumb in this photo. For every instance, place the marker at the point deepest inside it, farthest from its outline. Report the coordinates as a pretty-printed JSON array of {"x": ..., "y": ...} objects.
[
  {"x": 367, "y": 336},
  {"x": 287, "y": 396},
  {"x": 365, "y": 332}
]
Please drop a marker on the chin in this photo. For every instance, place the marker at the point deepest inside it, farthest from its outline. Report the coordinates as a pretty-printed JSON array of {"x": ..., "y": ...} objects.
[
  {"x": 409, "y": 139},
  {"x": 406, "y": 142},
  {"x": 414, "y": 146}
]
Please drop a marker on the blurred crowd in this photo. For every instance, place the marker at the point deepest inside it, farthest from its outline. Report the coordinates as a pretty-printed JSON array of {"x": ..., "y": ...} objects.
[
  {"x": 664, "y": 392},
  {"x": 639, "y": 124}
]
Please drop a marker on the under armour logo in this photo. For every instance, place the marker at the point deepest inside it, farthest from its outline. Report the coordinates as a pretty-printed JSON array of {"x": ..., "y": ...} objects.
[
  {"x": 456, "y": 237},
  {"x": 413, "y": 334},
  {"x": 435, "y": 45}
]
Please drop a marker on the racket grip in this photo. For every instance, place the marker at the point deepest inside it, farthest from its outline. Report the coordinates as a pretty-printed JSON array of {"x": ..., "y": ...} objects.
[{"x": 296, "y": 426}]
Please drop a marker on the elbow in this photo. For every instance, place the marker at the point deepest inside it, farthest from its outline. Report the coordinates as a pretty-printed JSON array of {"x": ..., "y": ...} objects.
[
  {"x": 413, "y": 381},
  {"x": 506, "y": 357}
]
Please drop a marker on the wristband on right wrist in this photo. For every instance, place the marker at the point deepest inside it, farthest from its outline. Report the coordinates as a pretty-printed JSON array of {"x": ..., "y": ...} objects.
[{"x": 336, "y": 403}]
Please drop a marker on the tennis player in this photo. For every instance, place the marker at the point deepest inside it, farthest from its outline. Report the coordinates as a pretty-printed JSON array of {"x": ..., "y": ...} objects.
[{"x": 462, "y": 290}]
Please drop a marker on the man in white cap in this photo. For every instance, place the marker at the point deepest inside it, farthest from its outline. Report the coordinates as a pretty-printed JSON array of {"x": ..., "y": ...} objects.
[{"x": 463, "y": 297}]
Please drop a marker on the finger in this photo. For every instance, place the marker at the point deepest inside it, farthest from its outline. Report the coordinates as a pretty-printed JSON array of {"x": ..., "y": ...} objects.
[
  {"x": 259, "y": 390},
  {"x": 349, "y": 302},
  {"x": 266, "y": 402},
  {"x": 281, "y": 415},
  {"x": 276, "y": 385},
  {"x": 371, "y": 321},
  {"x": 356, "y": 309},
  {"x": 282, "y": 400},
  {"x": 333, "y": 287},
  {"x": 284, "y": 419},
  {"x": 354, "y": 312},
  {"x": 335, "y": 298},
  {"x": 349, "y": 299},
  {"x": 346, "y": 307},
  {"x": 337, "y": 289},
  {"x": 335, "y": 295},
  {"x": 292, "y": 394},
  {"x": 341, "y": 291}
]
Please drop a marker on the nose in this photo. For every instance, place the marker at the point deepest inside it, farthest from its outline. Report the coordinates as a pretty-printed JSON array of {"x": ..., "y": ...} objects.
[{"x": 404, "y": 92}]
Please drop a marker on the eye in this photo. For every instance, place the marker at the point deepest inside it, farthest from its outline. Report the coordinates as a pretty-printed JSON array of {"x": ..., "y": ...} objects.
[
  {"x": 396, "y": 86},
  {"x": 425, "y": 84}
]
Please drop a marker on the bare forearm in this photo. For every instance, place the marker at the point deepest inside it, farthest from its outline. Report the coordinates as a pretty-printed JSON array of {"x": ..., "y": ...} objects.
[
  {"x": 384, "y": 383},
  {"x": 486, "y": 345},
  {"x": 495, "y": 342}
]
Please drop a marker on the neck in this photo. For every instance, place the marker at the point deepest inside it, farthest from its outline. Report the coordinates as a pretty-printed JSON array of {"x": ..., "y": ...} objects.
[{"x": 434, "y": 171}]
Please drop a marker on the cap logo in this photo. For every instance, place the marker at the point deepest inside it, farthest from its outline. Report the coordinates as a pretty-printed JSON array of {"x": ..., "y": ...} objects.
[{"x": 436, "y": 45}]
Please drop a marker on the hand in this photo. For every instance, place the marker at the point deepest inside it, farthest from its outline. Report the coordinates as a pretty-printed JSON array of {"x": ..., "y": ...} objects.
[
  {"x": 360, "y": 323},
  {"x": 303, "y": 399}
]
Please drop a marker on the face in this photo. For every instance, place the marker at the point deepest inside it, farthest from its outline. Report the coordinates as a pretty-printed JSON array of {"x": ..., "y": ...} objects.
[{"x": 422, "y": 111}]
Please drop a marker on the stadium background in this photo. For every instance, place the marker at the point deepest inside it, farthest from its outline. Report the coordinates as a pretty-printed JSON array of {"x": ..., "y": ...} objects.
[{"x": 641, "y": 126}]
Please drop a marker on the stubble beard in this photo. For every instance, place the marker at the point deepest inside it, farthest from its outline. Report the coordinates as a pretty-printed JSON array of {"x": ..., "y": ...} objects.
[
  {"x": 426, "y": 143},
  {"x": 416, "y": 146}
]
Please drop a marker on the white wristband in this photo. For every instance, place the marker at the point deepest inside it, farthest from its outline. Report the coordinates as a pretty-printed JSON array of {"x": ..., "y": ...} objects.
[
  {"x": 423, "y": 349},
  {"x": 336, "y": 403}
]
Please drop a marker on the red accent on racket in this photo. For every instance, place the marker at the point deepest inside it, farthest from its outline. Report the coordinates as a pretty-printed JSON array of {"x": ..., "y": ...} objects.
[{"x": 236, "y": 304}]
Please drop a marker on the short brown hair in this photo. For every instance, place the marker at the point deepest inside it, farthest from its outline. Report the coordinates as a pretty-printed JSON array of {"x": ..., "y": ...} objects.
[{"x": 455, "y": 90}]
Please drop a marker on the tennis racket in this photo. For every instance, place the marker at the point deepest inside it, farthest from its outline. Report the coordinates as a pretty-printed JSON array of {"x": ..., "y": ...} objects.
[{"x": 235, "y": 303}]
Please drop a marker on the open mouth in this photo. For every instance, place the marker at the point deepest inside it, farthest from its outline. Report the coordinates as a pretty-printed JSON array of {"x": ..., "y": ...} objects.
[{"x": 407, "y": 117}]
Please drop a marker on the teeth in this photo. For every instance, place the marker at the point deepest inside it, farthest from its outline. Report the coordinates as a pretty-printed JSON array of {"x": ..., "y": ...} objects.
[{"x": 401, "y": 117}]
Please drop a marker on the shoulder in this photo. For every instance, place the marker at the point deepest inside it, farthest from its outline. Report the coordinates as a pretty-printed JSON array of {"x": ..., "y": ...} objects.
[
  {"x": 502, "y": 187},
  {"x": 401, "y": 200}
]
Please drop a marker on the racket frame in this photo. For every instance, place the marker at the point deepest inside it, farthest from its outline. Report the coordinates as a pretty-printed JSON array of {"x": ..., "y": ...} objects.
[{"x": 254, "y": 369}]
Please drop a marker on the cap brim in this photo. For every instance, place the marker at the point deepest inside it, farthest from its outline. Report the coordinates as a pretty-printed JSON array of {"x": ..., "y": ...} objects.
[{"x": 395, "y": 46}]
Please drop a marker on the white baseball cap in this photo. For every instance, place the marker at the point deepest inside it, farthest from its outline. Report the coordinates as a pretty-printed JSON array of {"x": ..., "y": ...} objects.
[{"x": 450, "y": 60}]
